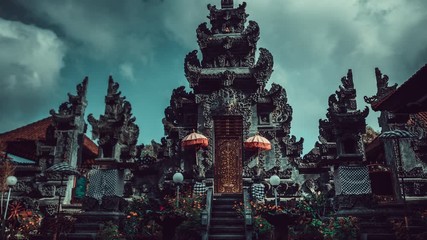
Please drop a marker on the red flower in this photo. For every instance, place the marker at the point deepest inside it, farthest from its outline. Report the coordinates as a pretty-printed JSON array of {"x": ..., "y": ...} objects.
[{"x": 162, "y": 208}]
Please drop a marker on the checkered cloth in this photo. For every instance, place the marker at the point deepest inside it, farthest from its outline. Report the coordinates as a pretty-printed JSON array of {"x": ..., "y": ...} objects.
[
  {"x": 352, "y": 180},
  {"x": 258, "y": 192},
  {"x": 105, "y": 183},
  {"x": 199, "y": 188}
]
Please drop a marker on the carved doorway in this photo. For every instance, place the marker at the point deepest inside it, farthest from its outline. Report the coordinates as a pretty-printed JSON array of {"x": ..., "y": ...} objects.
[{"x": 228, "y": 154}]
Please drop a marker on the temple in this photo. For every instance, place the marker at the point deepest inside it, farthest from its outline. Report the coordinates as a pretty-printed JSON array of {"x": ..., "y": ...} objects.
[{"x": 227, "y": 166}]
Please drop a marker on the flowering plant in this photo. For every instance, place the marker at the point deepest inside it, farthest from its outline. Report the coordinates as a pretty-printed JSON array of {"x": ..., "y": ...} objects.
[
  {"x": 110, "y": 231},
  {"x": 141, "y": 221},
  {"x": 319, "y": 223},
  {"x": 262, "y": 227},
  {"x": 189, "y": 207},
  {"x": 22, "y": 221}
]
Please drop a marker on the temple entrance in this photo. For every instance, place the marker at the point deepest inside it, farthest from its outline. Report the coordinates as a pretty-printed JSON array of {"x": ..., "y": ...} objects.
[{"x": 228, "y": 154}]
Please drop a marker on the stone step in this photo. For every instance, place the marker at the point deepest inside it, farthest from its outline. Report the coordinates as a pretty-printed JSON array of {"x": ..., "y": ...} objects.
[
  {"x": 87, "y": 227},
  {"x": 227, "y": 237},
  {"x": 226, "y": 221},
  {"x": 226, "y": 224},
  {"x": 223, "y": 208},
  {"x": 79, "y": 236},
  {"x": 227, "y": 200},
  {"x": 226, "y": 229},
  {"x": 231, "y": 195},
  {"x": 229, "y": 214}
]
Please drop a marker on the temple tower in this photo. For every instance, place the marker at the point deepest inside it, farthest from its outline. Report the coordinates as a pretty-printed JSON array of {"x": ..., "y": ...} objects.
[
  {"x": 117, "y": 136},
  {"x": 64, "y": 143},
  {"x": 230, "y": 103}
]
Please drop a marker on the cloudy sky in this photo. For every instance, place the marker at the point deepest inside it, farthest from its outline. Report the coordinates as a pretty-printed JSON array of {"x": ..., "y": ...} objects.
[{"x": 48, "y": 46}]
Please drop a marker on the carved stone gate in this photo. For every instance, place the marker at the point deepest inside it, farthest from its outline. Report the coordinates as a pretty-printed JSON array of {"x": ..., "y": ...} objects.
[{"x": 228, "y": 154}]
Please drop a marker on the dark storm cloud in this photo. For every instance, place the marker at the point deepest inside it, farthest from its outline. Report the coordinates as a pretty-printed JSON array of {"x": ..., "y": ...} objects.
[
  {"x": 315, "y": 42},
  {"x": 143, "y": 43},
  {"x": 30, "y": 61}
]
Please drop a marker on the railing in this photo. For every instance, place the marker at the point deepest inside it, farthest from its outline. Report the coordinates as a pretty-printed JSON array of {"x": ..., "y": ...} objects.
[
  {"x": 206, "y": 214},
  {"x": 247, "y": 214}
]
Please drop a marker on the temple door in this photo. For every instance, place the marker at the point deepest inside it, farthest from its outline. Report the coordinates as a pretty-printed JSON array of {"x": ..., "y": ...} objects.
[{"x": 228, "y": 154}]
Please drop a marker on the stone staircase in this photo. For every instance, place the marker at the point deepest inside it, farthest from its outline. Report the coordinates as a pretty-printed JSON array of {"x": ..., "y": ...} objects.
[{"x": 225, "y": 223}]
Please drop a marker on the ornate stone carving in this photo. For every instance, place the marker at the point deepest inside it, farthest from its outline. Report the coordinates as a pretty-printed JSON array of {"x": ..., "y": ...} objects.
[
  {"x": 192, "y": 68},
  {"x": 46, "y": 190},
  {"x": 229, "y": 77},
  {"x": 282, "y": 112},
  {"x": 179, "y": 121},
  {"x": 353, "y": 201},
  {"x": 74, "y": 106},
  {"x": 227, "y": 3},
  {"x": 24, "y": 187},
  {"x": 252, "y": 33},
  {"x": 263, "y": 68},
  {"x": 310, "y": 160},
  {"x": 382, "y": 88},
  {"x": 116, "y": 126},
  {"x": 203, "y": 35},
  {"x": 226, "y": 101},
  {"x": 344, "y": 99},
  {"x": 230, "y": 20}
]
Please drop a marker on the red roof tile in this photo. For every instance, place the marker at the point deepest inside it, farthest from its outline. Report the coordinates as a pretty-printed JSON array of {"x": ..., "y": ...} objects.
[
  {"x": 90, "y": 145},
  {"x": 23, "y": 140},
  {"x": 375, "y": 105},
  {"x": 410, "y": 91},
  {"x": 31, "y": 132},
  {"x": 422, "y": 116}
]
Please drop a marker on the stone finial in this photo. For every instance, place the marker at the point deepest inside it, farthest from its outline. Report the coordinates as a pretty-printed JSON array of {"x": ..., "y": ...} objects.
[{"x": 227, "y": 4}]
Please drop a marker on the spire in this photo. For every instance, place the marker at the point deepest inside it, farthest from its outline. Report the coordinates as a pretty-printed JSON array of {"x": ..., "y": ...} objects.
[{"x": 227, "y": 4}]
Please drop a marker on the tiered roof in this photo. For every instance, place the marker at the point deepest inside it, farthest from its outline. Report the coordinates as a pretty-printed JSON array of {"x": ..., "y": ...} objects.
[{"x": 228, "y": 50}]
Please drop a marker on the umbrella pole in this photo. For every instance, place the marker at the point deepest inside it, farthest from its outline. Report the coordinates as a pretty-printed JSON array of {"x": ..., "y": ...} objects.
[
  {"x": 59, "y": 199},
  {"x": 59, "y": 208},
  {"x": 195, "y": 152},
  {"x": 401, "y": 172},
  {"x": 257, "y": 163}
]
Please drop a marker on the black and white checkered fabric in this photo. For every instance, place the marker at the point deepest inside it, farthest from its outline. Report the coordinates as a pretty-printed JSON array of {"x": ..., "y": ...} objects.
[
  {"x": 397, "y": 134},
  {"x": 199, "y": 188},
  {"x": 105, "y": 183},
  {"x": 353, "y": 180},
  {"x": 258, "y": 192},
  {"x": 63, "y": 168}
]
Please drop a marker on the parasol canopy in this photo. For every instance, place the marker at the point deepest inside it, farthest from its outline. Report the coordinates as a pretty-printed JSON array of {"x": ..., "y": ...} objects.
[
  {"x": 257, "y": 142},
  {"x": 395, "y": 134},
  {"x": 194, "y": 139},
  {"x": 63, "y": 168}
]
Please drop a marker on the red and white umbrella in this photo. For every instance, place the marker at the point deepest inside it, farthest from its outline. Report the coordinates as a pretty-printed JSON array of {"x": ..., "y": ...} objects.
[
  {"x": 258, "y": 143},
  {"x": 196, "y": 141}
]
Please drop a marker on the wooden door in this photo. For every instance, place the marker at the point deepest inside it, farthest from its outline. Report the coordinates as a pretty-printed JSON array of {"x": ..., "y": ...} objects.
[{"x": 228, "y": 154}]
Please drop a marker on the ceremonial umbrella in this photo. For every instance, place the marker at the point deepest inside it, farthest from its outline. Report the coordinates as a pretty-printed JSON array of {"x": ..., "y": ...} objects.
[
  {"x": 399, "y": 134},
  {"x": 64, "y": 169},
  {"x": 258, "y": 143},
  {"x": 395, "y": 134},
  {"x": 195, "y": 140}
]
